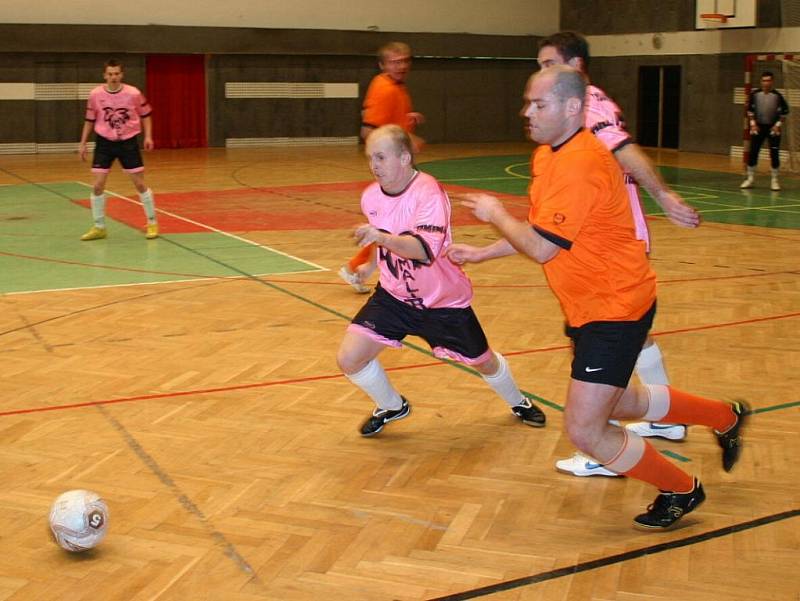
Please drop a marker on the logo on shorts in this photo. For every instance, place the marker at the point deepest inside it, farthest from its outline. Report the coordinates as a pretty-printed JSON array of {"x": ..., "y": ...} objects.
[
  {"x": 368, "y": 324},
  {"x": 373, "y": 213},
  {"x": 591, "y": 369},
  {"x": 559, "y": 218}
]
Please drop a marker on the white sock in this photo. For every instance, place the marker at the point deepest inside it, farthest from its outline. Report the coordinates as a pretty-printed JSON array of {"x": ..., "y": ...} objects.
[
  {"x": 372, "y": 379},
  {"x": 98, "y": 210},
  {"x": 650, "y": 366},
  {"x": 149, "y": 206},
  {"x": 502, "y": 382}
]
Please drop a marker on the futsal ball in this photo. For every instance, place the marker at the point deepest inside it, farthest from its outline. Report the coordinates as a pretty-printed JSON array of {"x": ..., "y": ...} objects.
[{"x": 79, "y": 519}]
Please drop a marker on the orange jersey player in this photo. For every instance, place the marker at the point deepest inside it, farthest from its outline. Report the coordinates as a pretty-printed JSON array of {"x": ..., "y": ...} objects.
[{"x": 387, "y": 103}]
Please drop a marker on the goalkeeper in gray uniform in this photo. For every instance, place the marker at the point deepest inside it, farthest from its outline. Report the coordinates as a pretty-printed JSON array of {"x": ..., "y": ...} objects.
[{"x": 766, "y": 109}]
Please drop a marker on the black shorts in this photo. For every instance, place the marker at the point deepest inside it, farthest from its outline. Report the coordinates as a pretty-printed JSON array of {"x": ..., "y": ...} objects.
[
  {"x": 605, "y": 352},
  {"x": 127, "y": 151},
  {"x": 451, "y": 333}
]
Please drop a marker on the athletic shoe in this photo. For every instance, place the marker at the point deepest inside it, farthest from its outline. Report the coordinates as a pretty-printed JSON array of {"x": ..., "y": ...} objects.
[
  {"x": 581, "y": 465},
  {"x": 529, "y": 413},
  {"x": 96, "y": 233},
  {"x": 731, "y": 440},
  {"x": 669, "y": 507},
  {"x": 775, "y": 185},
  {"x": 668, "y": 431},
  {"x": 353, "y": 280},
  {"x": 381, "y": 417},
  {"x": 152, "y": 231},
  {"x": 747, "y": 183}
]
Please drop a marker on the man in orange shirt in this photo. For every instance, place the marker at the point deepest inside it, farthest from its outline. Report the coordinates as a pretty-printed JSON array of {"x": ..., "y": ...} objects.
[
  {"x": 387, "y": 103},
  {"x": 580, "y": 228}
]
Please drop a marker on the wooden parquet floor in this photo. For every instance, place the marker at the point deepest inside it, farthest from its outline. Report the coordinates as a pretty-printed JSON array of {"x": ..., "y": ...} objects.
[{"x": 211, "y": 416}]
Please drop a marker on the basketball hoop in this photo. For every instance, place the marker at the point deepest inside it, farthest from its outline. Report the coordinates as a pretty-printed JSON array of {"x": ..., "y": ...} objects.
[{"x": 713, "y": 20}]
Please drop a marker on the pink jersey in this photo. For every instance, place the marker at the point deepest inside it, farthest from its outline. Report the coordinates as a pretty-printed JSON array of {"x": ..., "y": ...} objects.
[
  {"x": 117, "y": 115},
  {"x": 604, "y": 119},
  {"x": 423, "y": 211}
]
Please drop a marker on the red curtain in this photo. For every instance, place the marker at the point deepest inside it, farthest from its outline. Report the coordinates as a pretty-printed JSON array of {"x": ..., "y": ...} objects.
[{"x": 176, "y": 89}]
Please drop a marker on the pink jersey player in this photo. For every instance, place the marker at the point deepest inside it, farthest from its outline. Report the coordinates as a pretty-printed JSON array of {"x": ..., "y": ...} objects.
[
  {"x": 420, "y": 292},
  {"x": 604, "y": 119},
  {"x": 117, "y": 115},
  {"x": 422, "y": 209}
]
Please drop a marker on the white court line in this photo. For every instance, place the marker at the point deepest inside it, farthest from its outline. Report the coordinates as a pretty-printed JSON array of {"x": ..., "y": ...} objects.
[
  {"x": 156, "y": 283},
  {"x": 213, "y": 229}
]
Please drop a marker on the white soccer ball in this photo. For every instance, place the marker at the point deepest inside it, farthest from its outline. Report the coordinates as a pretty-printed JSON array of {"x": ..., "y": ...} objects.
[{"x": 79, "y": 520}]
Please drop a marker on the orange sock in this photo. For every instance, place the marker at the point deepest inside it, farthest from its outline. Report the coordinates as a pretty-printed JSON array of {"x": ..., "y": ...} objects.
[
  {"x": 657, "y": 470},
  {"x": 685, "y": 408},
  {"x": 363, "y": 256}
]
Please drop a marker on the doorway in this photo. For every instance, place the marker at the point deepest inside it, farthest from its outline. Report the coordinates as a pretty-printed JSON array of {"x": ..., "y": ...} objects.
[{"x": 659, "y": 106}]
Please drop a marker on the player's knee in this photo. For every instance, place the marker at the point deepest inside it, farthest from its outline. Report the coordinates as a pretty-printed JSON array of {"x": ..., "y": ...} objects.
[
  {"x": 582, "y": 435},
  {"x": 348, "y": 363},
  {"x": 490, "y": 367}
]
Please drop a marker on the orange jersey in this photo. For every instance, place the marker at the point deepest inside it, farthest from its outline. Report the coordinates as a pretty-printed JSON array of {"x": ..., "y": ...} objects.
[
  {"x": 579, "y": 202},
  {"x": 387, "y": 103}
]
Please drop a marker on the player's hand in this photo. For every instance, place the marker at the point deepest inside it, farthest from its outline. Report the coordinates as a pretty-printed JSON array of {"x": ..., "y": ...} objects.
[
  {"x": 148, "y": 144},
  {"x": 415, "y": 119},
  {"x": 677, "y": 211},
  {"x": 367, "y": 234},
  {"x": 483, "y": 206},
  {"x": 462, "y": 253},
  {"x": 82, "y": 151}
]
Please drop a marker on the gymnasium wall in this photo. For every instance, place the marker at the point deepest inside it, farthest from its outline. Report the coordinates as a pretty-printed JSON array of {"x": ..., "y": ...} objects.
[
  {"x": 503, "y": 17},
  {"x": 628, "y": 34},
  {"x": 606, "y": 17},
  {"x": 468, "y": 85}
]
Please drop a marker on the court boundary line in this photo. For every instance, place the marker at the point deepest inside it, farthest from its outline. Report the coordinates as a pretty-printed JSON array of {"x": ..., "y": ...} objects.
[
  {"x": 437, "y": 363},
  {"x": 211, "y": 228},
  {"x": 586, "y": 566}
]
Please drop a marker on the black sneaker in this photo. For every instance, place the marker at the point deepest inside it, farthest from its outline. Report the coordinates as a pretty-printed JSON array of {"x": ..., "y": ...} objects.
[
  {"x": 669, "y": 507},
  {"x": 731, "y": 440},
  {"x": 380, "y": 417},
  {"x": 529, "y": 413}
]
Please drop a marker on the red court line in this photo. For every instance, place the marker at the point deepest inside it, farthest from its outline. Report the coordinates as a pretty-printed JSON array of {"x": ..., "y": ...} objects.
[
  {"x": 729, "y": 228},
  {"x": 165, "y": 395},
  {"x": 275, "y": 208},
  {"x": 727, "y": 277}
]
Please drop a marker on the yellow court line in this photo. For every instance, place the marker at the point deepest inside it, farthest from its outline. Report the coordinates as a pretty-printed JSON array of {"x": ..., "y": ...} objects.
[
  {"x": 157, "y": 283},
  {"x": 475, "y": 179},
  {"x": 765, "y": 208},
  {"x": 509, "y": 168}
]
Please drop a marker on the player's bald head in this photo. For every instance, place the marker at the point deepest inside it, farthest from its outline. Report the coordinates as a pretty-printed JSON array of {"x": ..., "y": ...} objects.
[{"x": 395, "y": 136}]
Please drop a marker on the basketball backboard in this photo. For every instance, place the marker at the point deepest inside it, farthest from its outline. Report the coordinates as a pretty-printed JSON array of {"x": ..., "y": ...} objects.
[{"x": 721, "y": 14}]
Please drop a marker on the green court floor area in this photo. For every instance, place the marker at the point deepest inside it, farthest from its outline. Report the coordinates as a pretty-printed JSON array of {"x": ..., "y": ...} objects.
[
  {"x": 715, "y": 195},
  {"x": 40, "y": 249}
]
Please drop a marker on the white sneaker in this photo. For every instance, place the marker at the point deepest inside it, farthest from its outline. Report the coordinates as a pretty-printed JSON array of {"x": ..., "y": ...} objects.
[
  {"x": 668, "y": 431},
  {"x": 774, "y": 185},
  {"x": 581, "y": 465},
  {"x": 353, "y": 280},
  {"x": 748, "y": 183}
]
